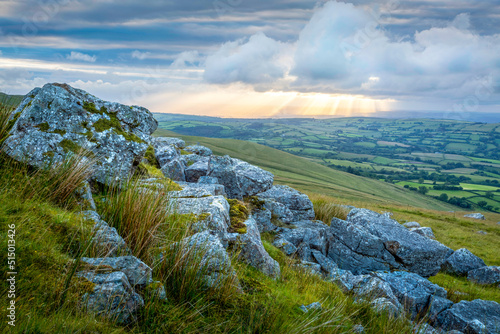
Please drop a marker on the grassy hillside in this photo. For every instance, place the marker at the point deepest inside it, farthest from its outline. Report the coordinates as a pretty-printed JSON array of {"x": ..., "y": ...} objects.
[
  {"x": 312, "y": 177},
  {"x": 11, "y": 100}
]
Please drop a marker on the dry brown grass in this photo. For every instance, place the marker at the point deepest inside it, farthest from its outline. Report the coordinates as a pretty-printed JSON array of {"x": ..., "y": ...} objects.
[{"x": 325, "y": 209}]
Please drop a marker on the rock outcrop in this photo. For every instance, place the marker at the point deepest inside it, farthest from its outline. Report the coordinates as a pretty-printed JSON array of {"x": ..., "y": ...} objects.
[
  {"x": 461, "y": 262},
  {"x": 57, "y": 120},
  {"x": 298, "y": 203},
  {"x": 477, "y": 317}
]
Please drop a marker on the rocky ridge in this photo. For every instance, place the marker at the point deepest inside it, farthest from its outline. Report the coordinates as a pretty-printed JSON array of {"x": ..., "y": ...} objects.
[{"x": 369, "y": 255}]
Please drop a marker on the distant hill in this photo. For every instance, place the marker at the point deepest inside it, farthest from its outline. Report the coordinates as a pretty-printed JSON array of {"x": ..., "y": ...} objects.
[
  {"x": 12, "y": 100},
  {"x": 312, "y": 177}
]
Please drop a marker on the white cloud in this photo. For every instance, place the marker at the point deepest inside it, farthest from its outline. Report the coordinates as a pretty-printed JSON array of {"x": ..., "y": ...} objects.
[
  {"x": 185, "y": 59},
  {"x": 81, "y": 57},
  {"x": 257, "y": 60},
  {"x": 342, "y": 48},
  {"x": 140, "y": 55}
]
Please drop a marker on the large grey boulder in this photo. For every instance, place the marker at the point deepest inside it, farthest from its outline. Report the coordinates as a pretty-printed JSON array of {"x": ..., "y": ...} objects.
[
  {"x": 327, "y": 265},
  {"x": 353, "y": 248},
  {"x": 372, "y": 287},
  {"x": 298, "y": 203},
  {"x": 212, "y": 212},
  {"x": 415, "y": 293},
  {"x": 461, "y": 262},
  {"x": 411, "y": 225},
  {"x": 477, "y": 317},
  {"x": 252, "y": 251},
  {"x": 112, "y": 296},
  {"x": 239, "y": 178},
  {"x": 263, "y": 218},
  {"x": 170, "y": 160},
  {"x": 424, "y": 231},
  {"x": 476, "y": 215},
  {"x": 57, "y": 120},
  {"x": 416, "y": 253},
  {"x": 138, "y": 273},
  {"x": 485, "y": 275}
]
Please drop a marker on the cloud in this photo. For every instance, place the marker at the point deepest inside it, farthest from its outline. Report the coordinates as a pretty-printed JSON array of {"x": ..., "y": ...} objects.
[
  {"x": 256, "y": 60},
  {"x": 81, "y": 57},
  {"x": 140, "y": 55},
  {"x": 185, "y": 59},
  {"x": 343, "y": 48}
]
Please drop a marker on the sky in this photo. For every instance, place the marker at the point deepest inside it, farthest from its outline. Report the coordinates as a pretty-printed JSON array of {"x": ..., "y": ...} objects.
[{"x": 256, "y": 58}]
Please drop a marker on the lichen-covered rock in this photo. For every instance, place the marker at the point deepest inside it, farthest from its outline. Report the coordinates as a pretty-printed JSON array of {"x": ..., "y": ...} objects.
[
  {"x": 239, "y": 178},
  {"x": 176, "y": 142},
  {"x": 424, "y": 231},
  {"x": 199, "y": 150},
  {"x": 437, "y": 305},
  {"x": 214, "y": 263},
  {"x": 382, "y": 305},
  {"x": 263, "y": 219},
  {"x": 353, "y": 248},
  {"x": 311, "y": 267},
  {"x": 461, "y": 262},
  {"x": 197, "y": 170},
  {"x": 286, "y": 246},
  {"x": 416, "y": 253},
  {"x": 476, "y": 215},
  {"x": 112, "y": 297},
  {"x": 252, "y": 251},
  {"x": 84, "y": 197},
  {"x": 312, "y": 306},
  {"x": 107, "y": 241},
  {"x": 485, "y": 275},
  {"x": 212, "y": 211},
  {"x": 413, "y": 292},
  {"x": 279, "y": 211},
  {"x": 298, "y": 203},
  {"x": 138, "y": 273},
  {"x": 411, "y": 225},
  {"x": 327, "y": 265},
  {"x": 170, "y": 160},
  {"x": 57, "y": 120},
  {"x": 198, "y": 190},
  {"x": 344, "y": 279},
  {"x": 208, "y": 180},
  {"x": 477, "y": 316},
  {"x": 373, "y": 288},
  {"x": 156, "y": 290},
  {"x": 312, "y": 233}
]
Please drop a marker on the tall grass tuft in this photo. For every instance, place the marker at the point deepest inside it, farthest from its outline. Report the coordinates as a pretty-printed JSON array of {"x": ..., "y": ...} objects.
[
  {"x": 6, "y": 109},
  {"x": 325, "y": 210}
]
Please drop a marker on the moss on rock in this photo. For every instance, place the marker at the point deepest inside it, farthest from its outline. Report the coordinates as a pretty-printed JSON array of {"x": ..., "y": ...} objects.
[{"x": 238, "y": 214}]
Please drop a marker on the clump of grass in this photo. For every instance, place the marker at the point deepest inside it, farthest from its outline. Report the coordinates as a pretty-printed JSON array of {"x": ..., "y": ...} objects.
[
  {"x": 325, "y": 210},
  {"x": 459, "y": 288},
  {"x": 6, "y": 110}
]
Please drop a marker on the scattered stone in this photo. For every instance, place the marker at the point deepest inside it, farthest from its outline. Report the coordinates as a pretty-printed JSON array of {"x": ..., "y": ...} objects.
[
  {"x": 57, "y": 120},
  {"x": 485, "y": 275},
  {"x": 199, "y": 150},
  {"x": 343, "y": 279},
  {"x": 358, "y": 329},
  {"x": 112, "y": 297},
  {"x": 385, "y": 305},
  {"x": 169, "y": 158},
  {"x": 108, "y": 242},
  {"x": 138, "y": 273},
  {"x": 287, "y": 247},
  {"x": 475, "y": 216},
  {"x": 156, "y": 290},
  {"x": 411, "y": 225},
  {"x": 239, "y": 178},
  {"x": 176, "y": 142},
  {"x": 482, "y": 232},
  {"x": 313, "y": 306},
  {"x": 298, "y": 203},
  {"x": 312, "y": 267},
  {"x": 197, "y": 170},
  {"x": 424, "y": 231},
  {"x": 252, "y": 251},
  {"x": 461, "y": 262},
  {"x": 374, "y": 288},
  {"x": 84, "y": 197},
  {"x": 477, "y": 316}
]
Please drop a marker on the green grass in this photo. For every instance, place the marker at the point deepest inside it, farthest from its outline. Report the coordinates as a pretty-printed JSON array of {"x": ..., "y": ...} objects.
[{"x": 312, "y": 177}]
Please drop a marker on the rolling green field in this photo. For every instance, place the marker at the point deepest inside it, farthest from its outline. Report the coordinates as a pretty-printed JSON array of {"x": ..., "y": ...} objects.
[
  {"x": 462, "y": 155},
  {"x": 312, "y": 177}
]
